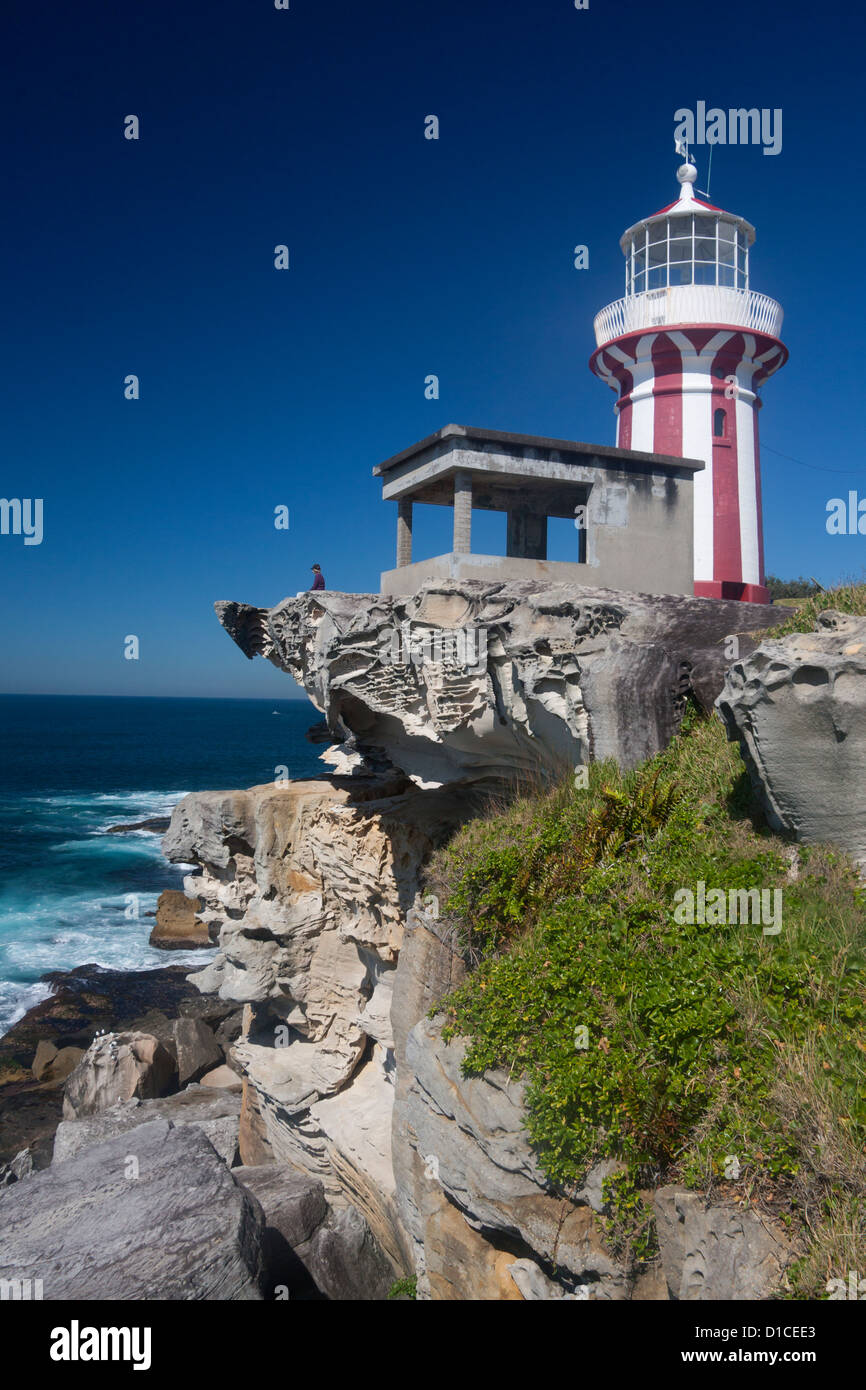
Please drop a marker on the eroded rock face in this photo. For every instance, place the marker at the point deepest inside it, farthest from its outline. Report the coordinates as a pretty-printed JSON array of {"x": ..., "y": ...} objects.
[
  {"x": 487, "y": 682},
  {"x": 714, "y": 1252},
  {"x": 308, "y": 885},
  {"x": 797, "y": 706}
]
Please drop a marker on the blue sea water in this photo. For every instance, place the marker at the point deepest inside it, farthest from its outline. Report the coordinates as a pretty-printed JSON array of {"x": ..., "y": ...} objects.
[{"x": 70, "y": 767}]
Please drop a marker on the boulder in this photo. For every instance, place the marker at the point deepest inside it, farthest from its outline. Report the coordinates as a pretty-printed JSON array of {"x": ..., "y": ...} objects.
[
  {"x": 177, "y": 926},
  {"x": 223, "y": 1134},
  {"x": 159, "y": 1025},
  {"x": 116, "y": 1067},
  {"x": 197, "y": 1049},
  {"x": 52, "y": 1065},
  {"x": 716, "y": 1252},
  {"x": 295, "y": 1208},
  {"x": 306, "y": 1240},
  {"x": 20, "y": 1167},
  {"x": 797, "y": 707},
  {"x": 43, "y": 1057},
  {"x": 81, "y": 1002},
  {"x": 229, "y": 1029},
  {"x": 223, "y": 1078},
  {"x": 346, "y": 1262},
  {"x": 215, "y": 1112},
  {"x": 154, "y": 1215}
]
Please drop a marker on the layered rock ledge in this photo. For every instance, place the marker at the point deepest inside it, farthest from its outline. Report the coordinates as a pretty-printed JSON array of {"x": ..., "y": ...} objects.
[{"x": 468, "y": 681}]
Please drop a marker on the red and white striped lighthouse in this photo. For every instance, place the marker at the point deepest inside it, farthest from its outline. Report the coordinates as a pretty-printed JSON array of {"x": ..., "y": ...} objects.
[{"x": 686, "y": 350}]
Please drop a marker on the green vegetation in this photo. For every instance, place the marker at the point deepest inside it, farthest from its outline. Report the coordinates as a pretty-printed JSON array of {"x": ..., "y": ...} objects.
[
  {"x": 629, "y": 1224},
  {"x": 847, "y": 598},
  {"x": 674, "y": 1047},
  {"x": 404, "y": 1288}
]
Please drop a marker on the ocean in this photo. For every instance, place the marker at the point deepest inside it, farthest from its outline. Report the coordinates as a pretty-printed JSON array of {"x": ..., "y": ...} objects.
[{"x": 70, "y": 767}]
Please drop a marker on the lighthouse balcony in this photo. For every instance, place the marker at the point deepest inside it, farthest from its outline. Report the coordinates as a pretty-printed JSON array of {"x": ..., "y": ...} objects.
[{"x": 684, "y": 304}]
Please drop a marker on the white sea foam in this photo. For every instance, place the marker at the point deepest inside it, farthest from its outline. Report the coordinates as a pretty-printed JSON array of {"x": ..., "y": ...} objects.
[
  {"x": 146, "y": 800},
  {"x": 16, "y": 999},
  {"x": 119, "y": 846},
  {"x": 56, "y": 919}
]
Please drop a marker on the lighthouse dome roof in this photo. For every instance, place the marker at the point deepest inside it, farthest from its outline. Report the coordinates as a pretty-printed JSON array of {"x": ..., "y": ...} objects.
[{"x": 684, "y": 206}]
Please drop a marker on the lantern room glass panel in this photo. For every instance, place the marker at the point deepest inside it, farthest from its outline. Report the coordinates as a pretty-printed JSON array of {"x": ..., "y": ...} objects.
[
  {"x": 742, "y": 266},
  {"x": 681, "y": 261},
  {"x": 657, "y": 276},
  {"x": 687, "y": 249}
]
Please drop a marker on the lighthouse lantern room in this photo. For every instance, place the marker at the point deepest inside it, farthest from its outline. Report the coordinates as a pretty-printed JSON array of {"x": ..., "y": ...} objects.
[{"x": 686, "y": 350}]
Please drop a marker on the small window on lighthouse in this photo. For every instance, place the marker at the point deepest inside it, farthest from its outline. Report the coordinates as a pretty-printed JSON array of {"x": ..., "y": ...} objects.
[{"x": 719, "y": 424}]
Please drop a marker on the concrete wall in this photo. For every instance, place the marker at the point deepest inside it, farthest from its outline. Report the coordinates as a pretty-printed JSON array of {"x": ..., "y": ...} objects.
[
  {"x": 639, "y": 537},
  {"x": 498, "y": 567},
  {"x": 640, "y": 533}
]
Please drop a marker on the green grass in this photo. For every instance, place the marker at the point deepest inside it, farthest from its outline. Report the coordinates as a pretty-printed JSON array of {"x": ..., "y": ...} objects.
[
  {"x": 674, "y": 1047},
  {"x": 846, "y": 598}
]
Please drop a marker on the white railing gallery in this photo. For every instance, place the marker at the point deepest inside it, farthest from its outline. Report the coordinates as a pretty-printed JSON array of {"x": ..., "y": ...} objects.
[{"x": 689, "y": 304}]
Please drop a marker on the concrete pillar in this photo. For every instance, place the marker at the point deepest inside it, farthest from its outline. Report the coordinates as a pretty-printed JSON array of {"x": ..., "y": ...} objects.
[
  {"x": 404, "y": 533},
  {"x": 462, "y": 543},
  {"x": 527, "y": 534}
]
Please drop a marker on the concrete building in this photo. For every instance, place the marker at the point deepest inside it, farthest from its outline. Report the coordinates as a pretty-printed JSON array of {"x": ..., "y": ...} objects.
[
  {"x": 686, "y": 350},
  {"x": 676, "y": 507},
  {"x": 631, "y": 512}
]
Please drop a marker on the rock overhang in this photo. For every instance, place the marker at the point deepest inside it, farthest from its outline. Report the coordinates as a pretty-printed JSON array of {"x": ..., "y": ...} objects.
[{"x": 546, "y": 677}]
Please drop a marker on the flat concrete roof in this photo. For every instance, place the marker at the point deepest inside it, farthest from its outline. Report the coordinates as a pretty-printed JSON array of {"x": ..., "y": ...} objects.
[{"x": 536, "y": 441}]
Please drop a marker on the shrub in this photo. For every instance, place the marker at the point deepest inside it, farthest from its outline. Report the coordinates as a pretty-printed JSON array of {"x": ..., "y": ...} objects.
[
  {"x": 404, "y": 1288},
  {"x": 678, "y": 1048}
]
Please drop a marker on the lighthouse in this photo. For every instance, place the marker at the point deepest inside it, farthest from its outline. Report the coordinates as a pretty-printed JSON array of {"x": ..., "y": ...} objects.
[{"x": 686, "y": 350}]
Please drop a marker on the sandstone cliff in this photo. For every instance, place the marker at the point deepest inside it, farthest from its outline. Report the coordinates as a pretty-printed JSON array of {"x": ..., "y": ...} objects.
[{"x": 313, "y": 890}]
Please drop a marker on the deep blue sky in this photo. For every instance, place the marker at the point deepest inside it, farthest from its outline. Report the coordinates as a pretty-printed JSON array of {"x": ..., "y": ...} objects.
[{"x": 409, "y": 257}]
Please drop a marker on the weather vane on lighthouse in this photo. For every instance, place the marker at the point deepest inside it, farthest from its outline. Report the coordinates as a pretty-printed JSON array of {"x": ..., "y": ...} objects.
[
  {"x": 682, "y": 149},
  {"x": 686, "y": 350}
]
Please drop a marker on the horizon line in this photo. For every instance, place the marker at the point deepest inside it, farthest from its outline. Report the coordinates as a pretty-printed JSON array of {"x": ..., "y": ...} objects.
[{"x": 64, "y": 695}]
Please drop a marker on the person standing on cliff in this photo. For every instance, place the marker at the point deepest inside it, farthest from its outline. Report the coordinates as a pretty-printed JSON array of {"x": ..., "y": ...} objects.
[{"x": 318, "y": 578}]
